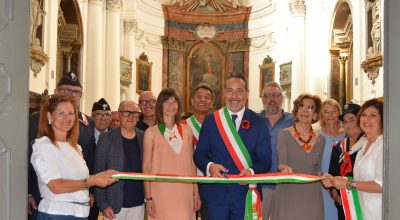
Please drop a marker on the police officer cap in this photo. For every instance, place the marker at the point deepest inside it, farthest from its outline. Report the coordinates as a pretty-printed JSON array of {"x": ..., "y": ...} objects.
[
  {"x": 101, "y": 105},
  {"x": 70, "y": 79},
  {"x": 349, "y": 108}
]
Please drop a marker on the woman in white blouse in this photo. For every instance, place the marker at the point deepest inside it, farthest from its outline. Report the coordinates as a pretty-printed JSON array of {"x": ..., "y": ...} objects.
[
  {"x": 63, "y": 176},
  {"x": 369, "y": 162}
]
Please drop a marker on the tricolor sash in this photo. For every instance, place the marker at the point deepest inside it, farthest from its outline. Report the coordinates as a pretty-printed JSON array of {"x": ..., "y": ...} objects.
[
  {"x": 195, "y": 126},
  {"x": 351, "y": 203},
  {"x": 241, "y": 158}
]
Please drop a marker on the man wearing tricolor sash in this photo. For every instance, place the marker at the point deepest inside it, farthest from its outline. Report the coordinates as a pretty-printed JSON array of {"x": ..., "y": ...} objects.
[
  {"x": 202, "y": 101},
  {"x": 233, "y": 140}
]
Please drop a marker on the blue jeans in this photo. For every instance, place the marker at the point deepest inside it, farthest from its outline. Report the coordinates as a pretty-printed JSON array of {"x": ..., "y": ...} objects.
[{"x": 45, "y": 216}]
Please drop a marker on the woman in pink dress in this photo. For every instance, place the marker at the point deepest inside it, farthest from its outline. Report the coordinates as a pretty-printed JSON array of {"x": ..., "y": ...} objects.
[{"x": 168, "y": 149}]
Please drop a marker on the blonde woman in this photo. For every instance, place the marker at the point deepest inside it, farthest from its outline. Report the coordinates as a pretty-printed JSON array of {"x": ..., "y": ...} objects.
[{"x": 332, "y": 131}]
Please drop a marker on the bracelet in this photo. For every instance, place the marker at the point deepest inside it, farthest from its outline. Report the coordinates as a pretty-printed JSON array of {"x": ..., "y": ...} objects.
[
  {"x": 85, "y": 184},
  {"x": 351, "y": 185}
]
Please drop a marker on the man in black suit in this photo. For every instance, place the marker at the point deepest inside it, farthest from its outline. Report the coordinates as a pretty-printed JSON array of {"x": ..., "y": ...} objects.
[{"x": 68, "y": 85}]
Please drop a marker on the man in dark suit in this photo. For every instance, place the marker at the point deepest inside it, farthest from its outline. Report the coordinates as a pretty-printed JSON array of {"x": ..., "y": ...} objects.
[
  {"x": 121, "y": 149},
  {"x": 219, "y": 146},
  {"x": 68, "y": 85}
]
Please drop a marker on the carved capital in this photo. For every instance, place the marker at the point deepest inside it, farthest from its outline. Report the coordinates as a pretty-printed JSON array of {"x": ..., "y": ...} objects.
[
  {"x": 130, "y": 26},
  {"x": 114, "y": 4},
  {"x": 38, "y": 59},
  {"x": 371, "y": 67},
  {"x": 239, "y": 45},
  {"x": 298, "y": 7},
  {"x": 173, "y": 44}
]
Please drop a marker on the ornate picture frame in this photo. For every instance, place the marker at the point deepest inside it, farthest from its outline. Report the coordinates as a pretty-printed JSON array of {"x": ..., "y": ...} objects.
[
  {"x": 205, "y": 63},
  {"x": 267, "y": 72},
  {"x": 143, "y": 74},
  {"x": 285, "y": 73}
]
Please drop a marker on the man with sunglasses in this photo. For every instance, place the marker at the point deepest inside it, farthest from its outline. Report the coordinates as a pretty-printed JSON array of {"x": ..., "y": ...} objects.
[
  {"x": 121, "y": 149},
  {"x": 68, "y": 85},
  {"x": 277, "y": 119},
  {"x": 147, "y": 106}
]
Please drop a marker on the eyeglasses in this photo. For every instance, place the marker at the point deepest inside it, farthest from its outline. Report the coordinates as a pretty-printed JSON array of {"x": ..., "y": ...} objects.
[
  {"x": 71, "y": 92},
  {"x": 237, "y": 91},
  {"x": 147, "y": 102},
  {"x": 134, "y": 114},
  {"x": 102, "y": 115},
  {"x": 308, "y": 108},
  {"x": 272, "y": 95}
]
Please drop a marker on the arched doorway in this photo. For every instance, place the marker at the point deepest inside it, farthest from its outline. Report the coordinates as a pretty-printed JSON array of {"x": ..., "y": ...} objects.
[
  {"x": 69, "y": 38},
  {"x": 341, "y": 48}
]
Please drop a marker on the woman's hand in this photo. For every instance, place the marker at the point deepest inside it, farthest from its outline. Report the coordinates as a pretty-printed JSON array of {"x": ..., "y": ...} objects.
[
  {"x": 196, "y": 203},
  {"x": 285, "y": 168},
  {"x": 336, "y": 197},
  {"x": 328, "y": 181},
  {"x": 339, "y": 182},
  {"x": 103, "y": 179},
  {"x": 151, "y": 208}
]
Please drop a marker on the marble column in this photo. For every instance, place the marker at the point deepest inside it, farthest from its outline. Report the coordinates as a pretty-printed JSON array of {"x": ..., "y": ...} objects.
[
  {"x": 94, "y": 65},
  {"x": 343, "y": 80},
  {"x": 67, "y": 61},
  {"x": 130, "y": 26},
  {"x": 112, "y": 75},
  {"x": 297, "y": 34}
]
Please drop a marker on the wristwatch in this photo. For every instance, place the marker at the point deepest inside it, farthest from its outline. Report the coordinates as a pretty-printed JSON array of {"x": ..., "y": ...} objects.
[{"x": 147, "y": 199}]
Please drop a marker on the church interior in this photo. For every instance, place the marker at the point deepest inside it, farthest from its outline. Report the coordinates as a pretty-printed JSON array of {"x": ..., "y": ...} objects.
[{"x": 119, "y": 48}]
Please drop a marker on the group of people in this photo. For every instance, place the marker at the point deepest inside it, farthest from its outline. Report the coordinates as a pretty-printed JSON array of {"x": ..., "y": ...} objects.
[{"x": 71, "y": 152}]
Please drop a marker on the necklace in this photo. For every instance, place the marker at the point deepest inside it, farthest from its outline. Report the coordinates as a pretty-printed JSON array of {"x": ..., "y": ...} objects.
[{"x": 306, "y": 144}]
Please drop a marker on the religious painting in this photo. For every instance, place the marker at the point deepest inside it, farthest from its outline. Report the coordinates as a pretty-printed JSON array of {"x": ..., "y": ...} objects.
[
  {"x": 143, "y": 74},
  {"x": 267, "y": 74},
  {"x": 205, "y": 63},
  {"x": 285, "y": 74},
  {"x": 126, "y": 71}
]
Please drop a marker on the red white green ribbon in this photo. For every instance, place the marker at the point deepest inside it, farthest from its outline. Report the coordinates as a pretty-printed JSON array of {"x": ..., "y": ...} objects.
[
  {"x": 232, "y": 140},
  {"x": 241, "y": 157},
  {"x": 195, "y": 126},
  {"x": 253, "y": 179},
  {"x": 251, "y": 199},
  {"x": 351, "y": 204},
  {"x": 162, "y": 127}
]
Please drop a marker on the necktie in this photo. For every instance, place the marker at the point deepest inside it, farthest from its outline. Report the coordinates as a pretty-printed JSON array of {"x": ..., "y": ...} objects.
[{"x": 234, "y": 117}]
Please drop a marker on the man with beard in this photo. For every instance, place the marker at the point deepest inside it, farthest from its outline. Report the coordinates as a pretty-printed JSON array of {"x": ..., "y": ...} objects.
[
  {"x": 233, "y": 140},
  {"x": 147, "y": 106},
  {"x": 277, "y": 119}
]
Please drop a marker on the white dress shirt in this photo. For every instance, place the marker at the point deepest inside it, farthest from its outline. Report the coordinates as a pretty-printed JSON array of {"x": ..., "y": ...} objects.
[
  {"x": 60, "y": 162},
  {"x": 368, "y": 167}
]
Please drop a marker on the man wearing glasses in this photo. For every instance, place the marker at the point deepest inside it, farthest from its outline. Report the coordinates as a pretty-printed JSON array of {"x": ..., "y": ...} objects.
[
  {"x": 101, "y": 114},
  {"x": 68, "y": 85},
  {"x": 121, "y": 149},
  {"x": 147, "y": 106},
  {"x": 277, "y": 119}
]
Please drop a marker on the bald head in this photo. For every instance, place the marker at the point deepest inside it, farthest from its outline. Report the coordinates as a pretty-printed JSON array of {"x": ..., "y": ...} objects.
[
  {"x": 128, "y": 112},
  {"x": 147, "y": 103}
]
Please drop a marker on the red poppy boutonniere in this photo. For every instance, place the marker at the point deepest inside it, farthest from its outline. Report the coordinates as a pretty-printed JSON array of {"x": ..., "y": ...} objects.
[{"x": 245, "y": 124}]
